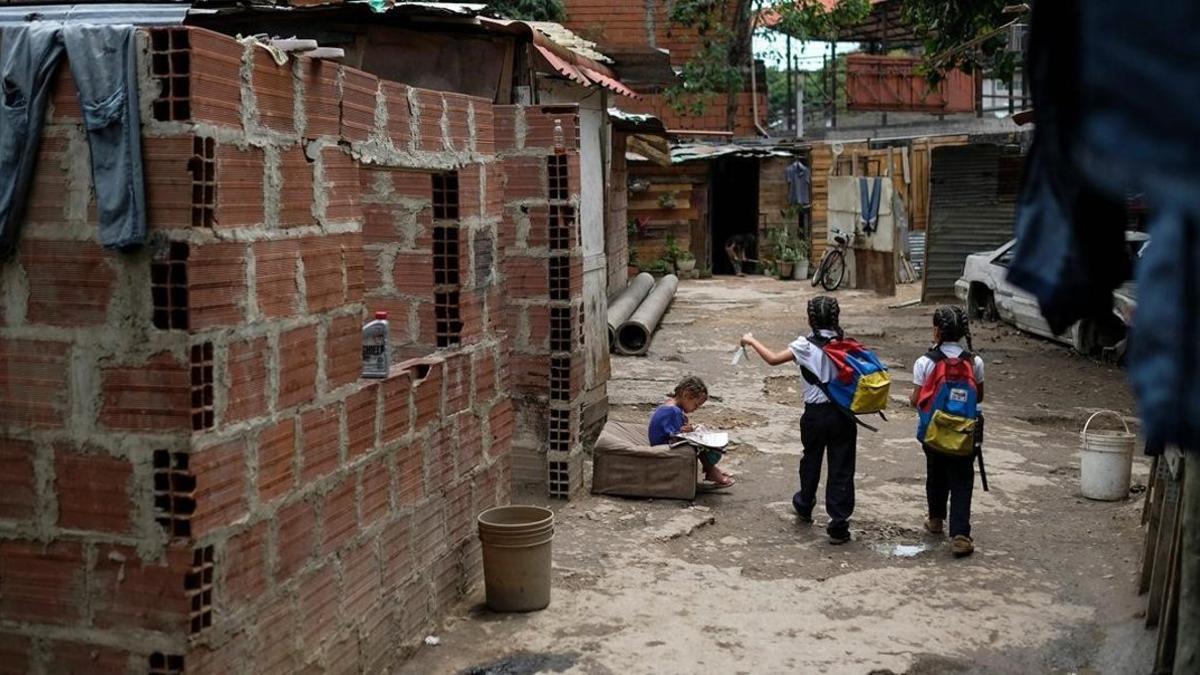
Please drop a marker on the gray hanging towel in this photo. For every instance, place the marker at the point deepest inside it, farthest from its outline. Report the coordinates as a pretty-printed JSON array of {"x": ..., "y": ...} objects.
[{"x": 869, "y": 190}]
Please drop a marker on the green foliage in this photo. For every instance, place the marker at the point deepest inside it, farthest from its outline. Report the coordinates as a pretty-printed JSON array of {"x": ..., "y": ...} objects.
[
  {"x": 528, "y": 10},
  {"x": 660, "y": 266},
  {"x": 673, "y": 252},
  {"x": 945, "y": 25},
  {"x": 725, "y": 33}
]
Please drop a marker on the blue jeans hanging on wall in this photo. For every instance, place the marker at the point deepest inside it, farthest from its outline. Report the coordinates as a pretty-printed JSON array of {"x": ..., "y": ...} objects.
[{"x": 104, "y": 66}]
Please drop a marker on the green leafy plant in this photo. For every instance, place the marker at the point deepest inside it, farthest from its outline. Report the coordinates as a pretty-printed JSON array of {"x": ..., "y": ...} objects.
[
  {"x": 527, "y": 10},
  {"x": 788, "y": 254},
  {"x": 667, "y": 200},
  {"x": 633, "y": 257},
  {"x": 685, "y": 256},
  {"x": 659, "y": 266},
  {"x": 673, "y": 251},
  {"x": 966, "y": 35}
]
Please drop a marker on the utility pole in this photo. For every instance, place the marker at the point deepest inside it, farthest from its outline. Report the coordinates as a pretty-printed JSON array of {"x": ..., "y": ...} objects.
[
  {"x": 800, "y": 102},
  {"x": 788, "y": 109}
]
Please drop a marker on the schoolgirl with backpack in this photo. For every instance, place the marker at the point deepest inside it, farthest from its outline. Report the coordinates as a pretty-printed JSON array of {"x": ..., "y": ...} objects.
[
  {"x": 843, "y": 379},
  {"x": 948, "y": 387}
]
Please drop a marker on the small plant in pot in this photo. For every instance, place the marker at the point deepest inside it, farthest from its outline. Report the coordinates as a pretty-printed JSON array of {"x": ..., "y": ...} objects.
[
  {"x": 800, "y": 271},
  {"x": 631, "y": 267},
  {"x": 658, "y": 268},
  {"x": 786, "y": 260},
  {"x": 685, "y": 261}
]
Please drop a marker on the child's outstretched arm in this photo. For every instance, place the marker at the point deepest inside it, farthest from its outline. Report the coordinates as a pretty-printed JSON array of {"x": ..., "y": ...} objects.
[{"x": 772, "y": 358}]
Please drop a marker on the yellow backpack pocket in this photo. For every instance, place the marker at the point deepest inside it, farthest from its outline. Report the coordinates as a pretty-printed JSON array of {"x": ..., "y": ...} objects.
[{"x": 951, "y": 434}]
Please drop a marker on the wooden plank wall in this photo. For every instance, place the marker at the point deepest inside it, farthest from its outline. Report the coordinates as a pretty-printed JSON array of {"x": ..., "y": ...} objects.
[
  {"x": 772, "y": 202},
  {"x": 858, "y": 159},
  {"x": 675, "y": 201}
]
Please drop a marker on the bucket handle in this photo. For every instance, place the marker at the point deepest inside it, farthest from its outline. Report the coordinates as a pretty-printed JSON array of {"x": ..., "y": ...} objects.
[{"x": 1088, "y": 423}]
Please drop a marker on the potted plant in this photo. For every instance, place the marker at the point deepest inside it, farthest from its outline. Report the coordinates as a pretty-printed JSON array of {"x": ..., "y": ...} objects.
[
  {"x": 685, "y": 261},
  {"x": 631, "y": 267},
  {"x": 672, "y": 252},
  {"x": 800, "y": 270},
  {"x": 786, "y": 260},
  {"x": 658, "y": 268}
]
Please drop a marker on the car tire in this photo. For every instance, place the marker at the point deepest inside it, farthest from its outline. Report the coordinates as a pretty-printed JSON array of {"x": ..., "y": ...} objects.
[{"x": 981, "y": 303}]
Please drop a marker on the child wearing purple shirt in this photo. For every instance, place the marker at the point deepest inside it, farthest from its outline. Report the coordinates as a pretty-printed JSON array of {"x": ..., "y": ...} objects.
[{"x": 670, "y": 418}]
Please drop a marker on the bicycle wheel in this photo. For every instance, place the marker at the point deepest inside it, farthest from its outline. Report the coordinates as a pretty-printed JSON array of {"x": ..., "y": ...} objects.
[
  {"x": 821, "y": 267},
  {"x": 835, "y": 271}
]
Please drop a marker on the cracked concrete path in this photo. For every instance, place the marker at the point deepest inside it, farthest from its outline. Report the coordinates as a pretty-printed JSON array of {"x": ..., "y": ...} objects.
[{"x": 734, "y": 584}]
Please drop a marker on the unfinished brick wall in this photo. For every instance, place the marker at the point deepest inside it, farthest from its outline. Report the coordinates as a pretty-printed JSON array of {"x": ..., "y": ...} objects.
[
  {"x": 193, "y": 476},
  {"x": 543, "y": 269}
]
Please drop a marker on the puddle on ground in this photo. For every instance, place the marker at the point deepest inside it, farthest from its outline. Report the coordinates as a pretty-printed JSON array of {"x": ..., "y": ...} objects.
[
  {"x": 900, "y": 550},
  {"x": 525, "y": 664}
]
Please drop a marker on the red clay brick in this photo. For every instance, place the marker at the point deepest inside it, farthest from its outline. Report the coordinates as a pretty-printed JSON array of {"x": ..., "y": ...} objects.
[
  {"x": 458, "y": 383},
  {"x": 220, "y": 472},
  {"x": 275, "y": 271},
  {"x": 500, "y": 425},
  {"x": 410, "y": 463},
  {"x": 376, "y": 488},
  {"x": 128, "y": 592},
  {"x": 484, "y": 489},
  {"x": 273, "y": 93},
  {"x": 297, "y": 366},
  {"x": 166, "y": 167},
  {"x": 456, "y": 113},
  {"x": 379, "y": 224},
  {"x": 427, "y": 396},
  {"x": 33, "y": 383},
  {"x": 361, "y": 420},
  {"x": 358, "y": 104},
  {"x": 322, "y": 258},
  {"x": 524, "y": 178},
  {"x": 277, "y": 625},
  {"x": 459, "y": 507},
  {"x": 41, "y": 584},
  {"x": 17, "y": 494},
  {"x": 246, "y": 372},
  {"x": 216, "y": 284},
  {"x": 322, "y": 106},
  {"x": 297, "y": 534},
  {"x": 343, "y": 351},
  {"x": 469, "y": 450},
  {"x": 46, "y": 203},
  {"x": 530, "y": 372},
  {"x": 430, "y": 106},
  {"x": 154, "y": 396},
  {"x": 537, "y": 318},
  {"x": 485, "y": 127},
  {"x": 483, "y": 373},
  {"x": 318, "y": 604},
  {"x": 527, "y": 277},
  {"x": 397, "y": 394},
  {"x": 341, "y": 186},
  {"x": 240, "y": 175},
  {"x": 399, "y": 127},
  {"x": 428, "y": 532},
  {"x": 440, "y": 460},
  {"x": 340, "y": 515},
  {"x": 244, "y": 566},
  {"x": 93, "y": 491},
  {"x": 70, "y": 283},
  {"x": 216, "y": 61},
  {"x": 413, "y": 274},
  {"x": 14, "y": 653},
  {"x": 396, "y": 547},
  {"x": 79, "y": 657},
  {"x": 353, "y": 258},
  {"x": 361, "y": 581},
  {"x": 321, "y": 442},
  {"x": 276, "y": 449},
  {"x": 296, "y": 192}
]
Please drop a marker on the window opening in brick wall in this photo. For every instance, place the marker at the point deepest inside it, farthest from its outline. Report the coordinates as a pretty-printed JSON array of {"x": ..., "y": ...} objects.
[
  {"x": 166, "y": 664},
  {"x": 202, "y": 386},
  {"x": 560, "y": 227},
  {"x": 198, "y": 584},
  {"x": 449, "y": 322},
  {"x": 170, "y": 63},
  {"x": 559, "y": 479},
  {"x": 203, "y": 166},
  {"x": 445, "y": 196},
  {"x": 174, "y": 493},
  {"x": 557, "y": 172},
  {"x": 445, "y": 255},
  {"x": 560, "y": 277},
  {"x": 560, "y": 430},
  {"x": 560, "y": 329},
  {"x": 560, "y": 378},
  {"x": 169, "y": 287}
]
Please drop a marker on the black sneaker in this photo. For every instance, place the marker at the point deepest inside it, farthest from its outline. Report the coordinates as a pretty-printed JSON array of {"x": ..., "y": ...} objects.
[{"x": 837, "y": 538}]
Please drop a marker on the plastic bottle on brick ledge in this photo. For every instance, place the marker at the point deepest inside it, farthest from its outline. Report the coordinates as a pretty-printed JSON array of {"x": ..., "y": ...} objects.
[
  {"x": 560, "y": 138},
  {"x": 376, "y": 354}
]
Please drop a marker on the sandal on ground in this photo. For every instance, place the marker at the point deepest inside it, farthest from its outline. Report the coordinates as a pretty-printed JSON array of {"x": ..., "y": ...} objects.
[{"x": 708, "y": 486}]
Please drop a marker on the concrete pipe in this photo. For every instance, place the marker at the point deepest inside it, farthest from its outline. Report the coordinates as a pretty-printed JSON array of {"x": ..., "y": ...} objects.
[
  {"x": 633, "y": 338},
  {"x": 627, "y": 302}
]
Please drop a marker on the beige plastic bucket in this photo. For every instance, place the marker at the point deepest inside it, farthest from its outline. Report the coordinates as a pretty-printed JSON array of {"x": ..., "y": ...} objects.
[
  {"x": 1105, "y": 461},
  {"x": 516, "y": 557}
]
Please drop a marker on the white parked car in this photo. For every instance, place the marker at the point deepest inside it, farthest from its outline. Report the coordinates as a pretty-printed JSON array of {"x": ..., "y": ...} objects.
[{"x": 988, "y": 295}]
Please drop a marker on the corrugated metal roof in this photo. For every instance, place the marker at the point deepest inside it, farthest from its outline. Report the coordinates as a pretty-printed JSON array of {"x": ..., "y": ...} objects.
[
  {"x": 158, "y": 14},
  {"x": 561, "y": 35},
  {"x": 691, "y": 152}
]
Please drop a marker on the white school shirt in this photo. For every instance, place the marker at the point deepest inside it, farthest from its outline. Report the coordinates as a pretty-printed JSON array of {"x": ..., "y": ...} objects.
[
  {"x": 809, "y": 356},
  {"x": 924, "y": 365}
]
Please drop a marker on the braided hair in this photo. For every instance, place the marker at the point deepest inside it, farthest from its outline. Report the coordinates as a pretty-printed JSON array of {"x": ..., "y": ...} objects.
[
  {"x": 952, "y": 324},
  {"x": 823, "y": 314},
  {"x": 691, "y": 385}
]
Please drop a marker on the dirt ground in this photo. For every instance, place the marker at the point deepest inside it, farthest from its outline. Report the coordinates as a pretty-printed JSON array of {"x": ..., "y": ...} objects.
[{"x": 735, "y": 584}]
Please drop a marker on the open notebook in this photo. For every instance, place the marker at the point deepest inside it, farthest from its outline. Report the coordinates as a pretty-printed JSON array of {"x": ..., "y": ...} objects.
[{"x": 716, "y": 440}]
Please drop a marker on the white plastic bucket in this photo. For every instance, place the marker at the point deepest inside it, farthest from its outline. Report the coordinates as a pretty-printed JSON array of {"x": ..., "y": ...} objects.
[{"x": 1105, "y": 461}]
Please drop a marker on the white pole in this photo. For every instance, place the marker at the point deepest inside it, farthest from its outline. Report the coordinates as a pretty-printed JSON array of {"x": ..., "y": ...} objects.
[{"x": 800, "y": 107}]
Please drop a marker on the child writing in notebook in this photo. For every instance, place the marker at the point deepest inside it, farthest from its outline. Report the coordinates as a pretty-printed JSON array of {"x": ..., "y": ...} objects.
[{"x": 671, "y": 418}]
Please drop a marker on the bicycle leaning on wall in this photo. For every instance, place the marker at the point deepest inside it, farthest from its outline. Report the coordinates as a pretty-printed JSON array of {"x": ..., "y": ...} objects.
[{"x": 831, "y": 271}]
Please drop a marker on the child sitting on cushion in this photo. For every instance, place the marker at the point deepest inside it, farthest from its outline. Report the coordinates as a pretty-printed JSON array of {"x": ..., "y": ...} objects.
[{"x": 670, "y": 418}]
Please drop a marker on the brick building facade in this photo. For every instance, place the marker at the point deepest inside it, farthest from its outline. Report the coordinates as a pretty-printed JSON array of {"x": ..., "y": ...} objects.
[{"x": 192, "y": 473}]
